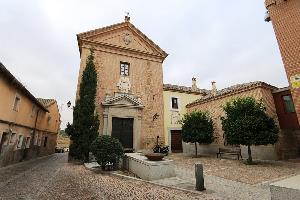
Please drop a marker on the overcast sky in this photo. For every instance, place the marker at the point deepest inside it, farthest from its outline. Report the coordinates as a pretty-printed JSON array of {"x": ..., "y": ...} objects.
[{"x": 225, "y": 41}]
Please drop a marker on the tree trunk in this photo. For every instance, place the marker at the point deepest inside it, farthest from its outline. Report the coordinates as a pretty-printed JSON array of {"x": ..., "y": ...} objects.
[
  {"x": 196, "y": 149},
  {"x": 249, "y": 155}
]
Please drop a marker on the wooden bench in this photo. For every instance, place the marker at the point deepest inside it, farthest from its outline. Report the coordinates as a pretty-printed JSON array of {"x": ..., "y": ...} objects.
[{"x": 230, "y": 151}]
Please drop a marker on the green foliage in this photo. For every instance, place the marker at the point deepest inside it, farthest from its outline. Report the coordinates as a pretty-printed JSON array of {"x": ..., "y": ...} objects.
[
  {"x": 197, "y": 127},
  {"x": 246, "y": 123},
  {"x": 75, "y": 152},
  {"x": 63, "y": 133},
  {"x": 107, "y": 149},
  {"x": 84, "y": 129}
]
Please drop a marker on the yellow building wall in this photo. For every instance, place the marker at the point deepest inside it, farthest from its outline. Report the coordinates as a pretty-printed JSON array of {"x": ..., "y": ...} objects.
[
  {"x": 24, "y": 134},
  {"x": 24, "y": 113},
  {"x": 171, "y": 115}
]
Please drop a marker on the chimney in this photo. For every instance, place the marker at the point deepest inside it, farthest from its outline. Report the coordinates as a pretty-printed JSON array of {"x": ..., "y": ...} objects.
[
  {"x": 213, "y": 88},
  {"x": 194, "y": 84},
  {"x": 127, "y": 18}
]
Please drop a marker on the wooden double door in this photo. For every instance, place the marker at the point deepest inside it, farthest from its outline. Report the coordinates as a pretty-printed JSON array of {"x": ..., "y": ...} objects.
[
  {"x": 122, "y": 129},
  {"x": 176, "y": 141}
]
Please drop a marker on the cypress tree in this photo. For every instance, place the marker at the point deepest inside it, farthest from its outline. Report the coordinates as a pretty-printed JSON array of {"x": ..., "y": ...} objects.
[{"x": 85, "y": 120}]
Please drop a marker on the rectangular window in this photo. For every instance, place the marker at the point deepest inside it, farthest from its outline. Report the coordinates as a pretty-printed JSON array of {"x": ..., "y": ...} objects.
[
  {"x": 124, "y": 69},
  {"x": 174, "y": 102},
  {"x": 17, "y": 103},
  {"x": 28, "y": 140},
  {"x": 5, "y": 139},
  {"x": 45, "y": 141},
  {"x": 36, "y": 137},
  {"x": 13, "y": 138},
  {"x": 20, "y": 141},
  {"x": 288, "y": 104},
  {"x": 40, "y": 139}
]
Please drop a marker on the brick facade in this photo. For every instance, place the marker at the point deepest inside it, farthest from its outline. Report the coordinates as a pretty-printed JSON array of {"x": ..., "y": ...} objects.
[
  {"x": 286, "y": 147},
  {"x": 125, "y": 43},
  {"x": 285, "y": 17}
]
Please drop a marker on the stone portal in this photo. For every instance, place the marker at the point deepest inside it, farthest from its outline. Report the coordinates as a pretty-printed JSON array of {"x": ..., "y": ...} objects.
[{"x": 122, "y": 119}]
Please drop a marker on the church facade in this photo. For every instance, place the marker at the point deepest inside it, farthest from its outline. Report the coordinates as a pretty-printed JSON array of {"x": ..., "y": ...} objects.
[{"x": 129, "y": 98}]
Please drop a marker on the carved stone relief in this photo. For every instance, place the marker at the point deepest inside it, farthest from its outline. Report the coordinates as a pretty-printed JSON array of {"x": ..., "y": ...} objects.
[
  {"x": 175, "y": 117},
  {"x": 124, "y": 84}
]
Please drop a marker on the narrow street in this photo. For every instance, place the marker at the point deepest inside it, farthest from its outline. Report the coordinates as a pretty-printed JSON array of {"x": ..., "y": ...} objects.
[{"x": 52, "y": 177}]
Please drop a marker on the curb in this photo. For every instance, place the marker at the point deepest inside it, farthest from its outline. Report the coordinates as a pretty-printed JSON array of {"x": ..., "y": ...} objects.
[{"x": 158, "y": 184}]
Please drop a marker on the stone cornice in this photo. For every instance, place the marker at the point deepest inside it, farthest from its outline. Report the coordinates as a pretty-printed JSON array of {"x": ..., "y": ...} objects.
[
  {"x": 104, "y": 47},
  {"x": 269, "y": 3},
  {"x": 92, "y": 33}
]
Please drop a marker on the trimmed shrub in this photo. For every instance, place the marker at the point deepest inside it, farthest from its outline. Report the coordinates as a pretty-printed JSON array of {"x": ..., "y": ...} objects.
[{"x": 108, "y": 151}]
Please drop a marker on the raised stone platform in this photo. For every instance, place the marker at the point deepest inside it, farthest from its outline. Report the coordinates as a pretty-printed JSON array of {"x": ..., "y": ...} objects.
[
  {"x": 149, "y": 170},
  {"x": 287, "y": 189}
]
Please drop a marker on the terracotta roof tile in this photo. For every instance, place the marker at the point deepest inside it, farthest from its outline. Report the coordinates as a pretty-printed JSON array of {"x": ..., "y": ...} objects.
[
  {"x": 232, "y": 89},
  {"x": 46, "y": 102},
  {"x": 184, "y": 89}
]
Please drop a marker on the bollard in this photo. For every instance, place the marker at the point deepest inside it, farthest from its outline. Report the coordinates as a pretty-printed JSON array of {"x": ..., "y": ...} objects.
[{"x": 199, "y": 177}]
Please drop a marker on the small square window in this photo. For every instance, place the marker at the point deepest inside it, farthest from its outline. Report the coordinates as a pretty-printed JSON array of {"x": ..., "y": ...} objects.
[
  {"x": 288, "y": 104},
  {"x": 17, "y": 103},
  {"x": 174, "y": 102},
  {"x": 124, "y": 69}
]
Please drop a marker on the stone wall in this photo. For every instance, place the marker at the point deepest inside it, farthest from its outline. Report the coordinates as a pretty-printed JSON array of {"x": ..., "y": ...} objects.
[{"x": 214, "y": 107}]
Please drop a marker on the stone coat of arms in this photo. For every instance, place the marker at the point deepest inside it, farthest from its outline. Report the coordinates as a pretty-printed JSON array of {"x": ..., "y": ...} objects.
[{"x": 124, "y": 84}]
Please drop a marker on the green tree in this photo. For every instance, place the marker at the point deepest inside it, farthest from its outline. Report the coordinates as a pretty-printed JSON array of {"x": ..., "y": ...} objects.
[
  {"x": 246, "y": 123},
  {"x": 197, "y": 127},
  {"x": 84, "y": 129}
]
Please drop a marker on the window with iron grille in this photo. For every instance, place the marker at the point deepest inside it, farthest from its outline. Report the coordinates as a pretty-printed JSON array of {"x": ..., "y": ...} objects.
[{"x": 124, "y": 69}]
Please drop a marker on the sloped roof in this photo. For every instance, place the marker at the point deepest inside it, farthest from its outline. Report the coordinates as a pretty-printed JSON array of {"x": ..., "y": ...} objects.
[
  {"x": 184, "y": 89},
  {"x": 231, "y": 90},
  {"x": 86, "y": 35},
  {"x": 10, "y": 77},
  {"x": 46, "y": 102}
]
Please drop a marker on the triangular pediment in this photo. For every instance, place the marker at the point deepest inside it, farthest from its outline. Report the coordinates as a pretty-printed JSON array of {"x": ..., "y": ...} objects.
[
  {"x": 124, "y": 36},
  {"x": 123, "y": 100}
]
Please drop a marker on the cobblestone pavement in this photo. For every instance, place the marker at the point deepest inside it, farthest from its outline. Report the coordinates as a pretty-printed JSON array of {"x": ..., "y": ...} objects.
[
  {"x": 236, "y": 170},
  {"x": 53, "y": 178},
  {"x": 227, "y": 189}
]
